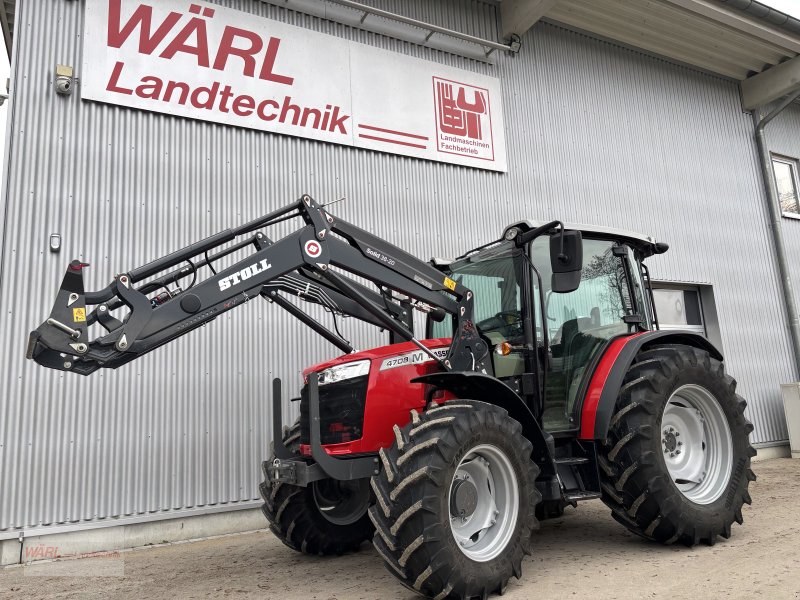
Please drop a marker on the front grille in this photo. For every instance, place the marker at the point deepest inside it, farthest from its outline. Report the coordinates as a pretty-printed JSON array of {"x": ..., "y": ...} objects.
[{"x": 341, "y": 411}]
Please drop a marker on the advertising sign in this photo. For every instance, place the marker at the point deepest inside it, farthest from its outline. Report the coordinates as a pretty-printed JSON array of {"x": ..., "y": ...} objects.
[{"x": 202, "y": 61}]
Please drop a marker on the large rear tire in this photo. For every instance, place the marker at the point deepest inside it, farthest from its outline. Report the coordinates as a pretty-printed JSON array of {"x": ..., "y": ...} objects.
[
  {"x": 456, "y": 501},
  {"x": 327, "y": 517},
  {"x": 676, "y": 464}
]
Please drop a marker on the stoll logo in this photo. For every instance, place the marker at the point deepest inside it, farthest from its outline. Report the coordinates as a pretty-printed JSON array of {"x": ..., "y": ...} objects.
[
  {"x": 244, "y": 274},
  {"x": 463, "y": 119}
]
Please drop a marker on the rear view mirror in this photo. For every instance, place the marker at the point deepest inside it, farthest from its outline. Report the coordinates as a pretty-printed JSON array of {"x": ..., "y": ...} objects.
[{"x": 566, "y": 261}]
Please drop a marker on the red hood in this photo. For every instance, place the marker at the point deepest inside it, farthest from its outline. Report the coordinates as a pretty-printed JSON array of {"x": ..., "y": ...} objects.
[{"x": 377, "y": 353}]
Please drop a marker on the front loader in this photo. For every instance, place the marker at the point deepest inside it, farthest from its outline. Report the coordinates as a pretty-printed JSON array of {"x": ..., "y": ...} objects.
[{"x": 542, "y": 380}]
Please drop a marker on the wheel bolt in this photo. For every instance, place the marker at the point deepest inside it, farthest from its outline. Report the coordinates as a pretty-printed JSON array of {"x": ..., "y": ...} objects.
[
  {"x": 677, "y": 434},
  {"x": 672, "y": 455},
  {"x": 680, "y": 443},
  {"x": 677, "y": 451}
]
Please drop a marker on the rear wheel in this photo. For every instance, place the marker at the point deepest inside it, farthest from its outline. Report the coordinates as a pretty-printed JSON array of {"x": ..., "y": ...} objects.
[
  {"x": 676, "y": 464},
  {"x": 327, "y": 517},
  {"x": 455, "y": 501}
]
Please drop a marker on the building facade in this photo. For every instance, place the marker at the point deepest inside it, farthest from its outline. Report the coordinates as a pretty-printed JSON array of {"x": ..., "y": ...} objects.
[{"x": 596, "y": 131}]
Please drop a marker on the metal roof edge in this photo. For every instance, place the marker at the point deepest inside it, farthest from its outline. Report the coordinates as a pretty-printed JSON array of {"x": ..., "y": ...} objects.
[{"x": 765, "y": 13}]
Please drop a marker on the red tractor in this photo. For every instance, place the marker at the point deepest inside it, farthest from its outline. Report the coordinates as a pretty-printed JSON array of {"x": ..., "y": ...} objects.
[{"x": 543, "y": 380}]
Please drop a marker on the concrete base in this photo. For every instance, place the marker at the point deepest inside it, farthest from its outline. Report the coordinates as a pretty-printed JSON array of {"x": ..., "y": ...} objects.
[
  {"x": 769, "y": 452},
  {"x": 107, "y": 539},
  {"x": 9, "y": 552}
]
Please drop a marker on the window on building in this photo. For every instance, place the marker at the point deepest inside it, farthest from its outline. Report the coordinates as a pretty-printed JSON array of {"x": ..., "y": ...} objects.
[
  {"x": 786, "y": 182},
  {"x": 679, "y": 309}
]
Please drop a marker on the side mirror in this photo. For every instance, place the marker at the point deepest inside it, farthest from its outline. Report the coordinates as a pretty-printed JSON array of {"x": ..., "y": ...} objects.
[{"x": 566, "y": 261}]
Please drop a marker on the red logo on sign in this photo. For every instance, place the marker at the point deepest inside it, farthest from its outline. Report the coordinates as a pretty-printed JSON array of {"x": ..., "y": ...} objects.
[
  {"x": 463, "y": 119},
  {"x": 313, "y": 249}
]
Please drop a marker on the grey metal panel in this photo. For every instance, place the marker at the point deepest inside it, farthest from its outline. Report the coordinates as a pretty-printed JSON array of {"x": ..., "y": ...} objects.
[
  {"x": 783, "y": 137},
  {"x": 596, "y": 134}
]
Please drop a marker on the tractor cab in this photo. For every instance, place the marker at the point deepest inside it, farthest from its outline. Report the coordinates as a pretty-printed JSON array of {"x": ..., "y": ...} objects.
[{"x": 545, "y": 334}]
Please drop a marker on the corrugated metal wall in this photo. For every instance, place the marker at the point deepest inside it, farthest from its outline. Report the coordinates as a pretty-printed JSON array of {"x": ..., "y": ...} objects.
[
  {"x": 596, "y": 133},
  {"x": 783, "y": 138}
]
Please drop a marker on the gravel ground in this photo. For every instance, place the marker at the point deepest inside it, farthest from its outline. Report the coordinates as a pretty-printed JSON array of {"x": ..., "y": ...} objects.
[{"x": 584, "y": 554}]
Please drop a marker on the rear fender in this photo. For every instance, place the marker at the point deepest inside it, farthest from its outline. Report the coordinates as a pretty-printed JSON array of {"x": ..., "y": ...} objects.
[
  {"x": 485, "y": 388},
  {"x": 601, "y": 395}
]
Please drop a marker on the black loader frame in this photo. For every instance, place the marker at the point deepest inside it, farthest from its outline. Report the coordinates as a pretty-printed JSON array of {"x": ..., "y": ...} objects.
[{"x": 298, "y": 264}]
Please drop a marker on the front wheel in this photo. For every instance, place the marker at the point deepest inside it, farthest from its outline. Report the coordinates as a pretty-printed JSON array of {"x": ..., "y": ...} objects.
[
  {"x": 327, "y": 517},
  {"x": 456, "y": 500},
  {"x": 676, "y": 464}
]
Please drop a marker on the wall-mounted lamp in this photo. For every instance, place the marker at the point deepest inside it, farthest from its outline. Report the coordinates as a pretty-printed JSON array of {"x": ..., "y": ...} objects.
[{"x": 55, "y": 242}]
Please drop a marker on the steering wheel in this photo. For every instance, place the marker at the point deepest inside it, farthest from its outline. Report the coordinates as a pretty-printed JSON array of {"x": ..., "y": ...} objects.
[{"x": 508, "y": 323}]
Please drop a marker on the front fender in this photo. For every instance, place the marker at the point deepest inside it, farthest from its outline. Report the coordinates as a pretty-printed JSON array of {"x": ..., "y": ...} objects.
[
  {"x": 601, "y": 395},
  {"x": 478, "y": 386}
]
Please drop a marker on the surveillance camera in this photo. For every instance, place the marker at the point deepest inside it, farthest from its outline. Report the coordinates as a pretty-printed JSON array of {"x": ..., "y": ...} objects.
[
  {"x": 65, "y": 79},
  {"x": 64, "y": 85}
]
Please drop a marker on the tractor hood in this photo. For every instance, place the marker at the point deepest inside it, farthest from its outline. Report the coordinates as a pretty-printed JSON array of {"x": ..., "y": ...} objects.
[{"x": 381, "y": 353}]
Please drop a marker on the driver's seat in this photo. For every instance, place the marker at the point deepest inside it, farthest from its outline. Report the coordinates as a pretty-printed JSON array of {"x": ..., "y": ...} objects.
[{"x": 578, "y": 347}]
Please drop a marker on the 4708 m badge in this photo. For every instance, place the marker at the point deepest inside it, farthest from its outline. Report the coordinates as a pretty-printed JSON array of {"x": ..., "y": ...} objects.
[{"x": 412, "y": 358}]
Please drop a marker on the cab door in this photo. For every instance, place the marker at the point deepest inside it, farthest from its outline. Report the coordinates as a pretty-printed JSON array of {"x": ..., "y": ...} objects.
[{"x": 577, "y": 325}]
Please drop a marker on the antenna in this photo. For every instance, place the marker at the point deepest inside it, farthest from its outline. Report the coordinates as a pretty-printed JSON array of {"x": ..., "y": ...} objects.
[{"x": 334, "y": 201}]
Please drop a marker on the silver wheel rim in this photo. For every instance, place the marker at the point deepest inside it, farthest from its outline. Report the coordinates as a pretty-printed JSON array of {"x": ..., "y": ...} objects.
[
  {"x": 697, "y": 444},
  {"x": 342, "y": 502},
  {"x": 484, "y": 503}
]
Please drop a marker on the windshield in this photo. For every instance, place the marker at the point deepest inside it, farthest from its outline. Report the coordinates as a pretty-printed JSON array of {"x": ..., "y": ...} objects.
[{"x": 494, "y": 277}]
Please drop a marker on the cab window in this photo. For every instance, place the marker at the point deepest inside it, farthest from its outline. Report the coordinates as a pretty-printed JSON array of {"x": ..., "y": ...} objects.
[
  {"x": 578, "y": 323},
  {"x": 494, "y": 277}
]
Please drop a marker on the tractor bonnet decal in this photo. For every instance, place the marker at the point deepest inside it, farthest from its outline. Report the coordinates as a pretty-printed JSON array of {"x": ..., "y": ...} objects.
[{"x": 412, "y": 358}]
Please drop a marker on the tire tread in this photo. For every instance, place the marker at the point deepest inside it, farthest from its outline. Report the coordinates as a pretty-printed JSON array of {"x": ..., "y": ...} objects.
[{"x": 633, "y": 480}]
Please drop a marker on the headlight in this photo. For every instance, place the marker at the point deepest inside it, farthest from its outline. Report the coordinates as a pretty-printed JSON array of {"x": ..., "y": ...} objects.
[{"x": 344, "y": 372}]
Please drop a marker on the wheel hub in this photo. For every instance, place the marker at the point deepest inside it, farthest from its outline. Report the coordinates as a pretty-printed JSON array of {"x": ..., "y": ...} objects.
[
  {"x": 463, "y": 498},
  {"x": 670, "y": 441},
  {"x": 342, "y": 502},
  {"x": 697, "y": 444},
  {"x": 484, "y": 503}
]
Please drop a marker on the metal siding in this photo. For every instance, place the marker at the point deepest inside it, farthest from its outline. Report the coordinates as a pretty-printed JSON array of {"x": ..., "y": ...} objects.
[
  {"x": 783, "y": 138},
  {"x": 597, "y": 134}
]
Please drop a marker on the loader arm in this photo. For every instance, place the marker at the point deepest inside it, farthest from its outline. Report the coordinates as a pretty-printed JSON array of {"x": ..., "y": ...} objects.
[{"x": 298, "y": 264}]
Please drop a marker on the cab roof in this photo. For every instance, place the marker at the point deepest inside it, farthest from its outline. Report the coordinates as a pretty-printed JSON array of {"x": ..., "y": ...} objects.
[
  {"x": 645, "y": 244},
  {"x": 637, "y": 238}
]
